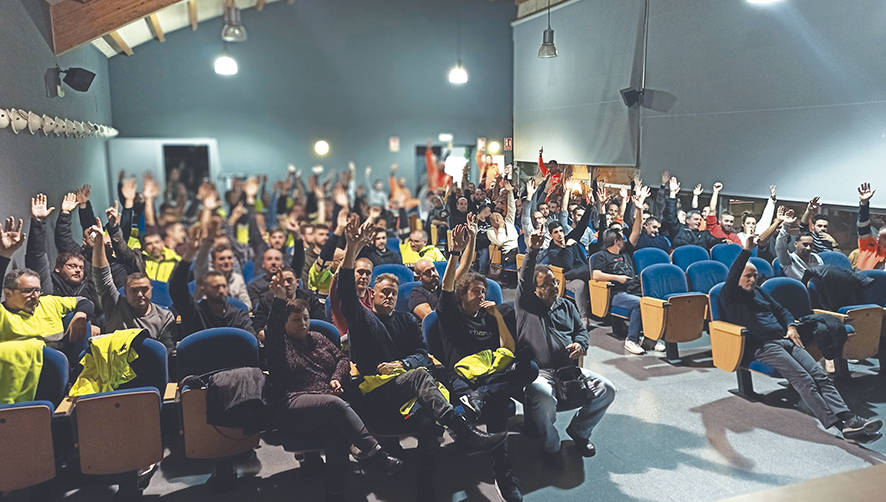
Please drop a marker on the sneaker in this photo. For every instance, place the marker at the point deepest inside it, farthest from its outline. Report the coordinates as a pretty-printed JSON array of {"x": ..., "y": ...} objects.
[
  {"x": 634, "y": 347},
  {"x": 660, "y": 346},
  {"x": 857, "y": 426}
]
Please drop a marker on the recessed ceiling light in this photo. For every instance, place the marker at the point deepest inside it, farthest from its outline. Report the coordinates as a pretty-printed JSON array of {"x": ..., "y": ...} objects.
[{"x": 763, "y": 2}]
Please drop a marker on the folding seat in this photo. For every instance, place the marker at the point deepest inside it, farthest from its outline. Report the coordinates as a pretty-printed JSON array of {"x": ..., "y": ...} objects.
[
  {"x": 703, "y": 275},
  {"x": 725, "y": 253},
  {"x": 441, "y": 267},
  {"x": 493, "y": 291},
  {"x": 776, "y": 268},
  {"x": 864, "y": 313},
  {"x": 764, "y": 269},
  {"x": 118, "y": 432},
  {"x": 670, "y": 312},
  {"x": 403, "y": 295},
  {"x": 649, "y": 256},
  {"x": 684, "y": 256},
  {"x": 200, "y": 353},
  {"x": 403, "y": 273},
  {"x": 601, "y": 300},
  {"x": 393, "y": 244},
  {"x": 248, "y": 271},
  {"x": 236, "y": 303},
  {"x": 160, "y": 294},
  {"x": 835, "y": 259},
  {"x": 26, "y": 428}
]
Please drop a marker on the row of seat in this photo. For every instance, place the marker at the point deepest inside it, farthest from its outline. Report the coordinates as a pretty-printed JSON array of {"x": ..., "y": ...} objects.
[{"x": 685, "y": 256}]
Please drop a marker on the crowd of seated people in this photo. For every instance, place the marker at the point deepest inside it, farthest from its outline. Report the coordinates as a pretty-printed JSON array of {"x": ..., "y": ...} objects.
[{"x": 268, "y": 259}]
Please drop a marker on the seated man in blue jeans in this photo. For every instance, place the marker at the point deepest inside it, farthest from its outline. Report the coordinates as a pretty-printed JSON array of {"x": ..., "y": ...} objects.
[
  {"x": 551, "y": 328},
  {"x": 773, "y": 339},
  {"x": 614, "y": 263}
]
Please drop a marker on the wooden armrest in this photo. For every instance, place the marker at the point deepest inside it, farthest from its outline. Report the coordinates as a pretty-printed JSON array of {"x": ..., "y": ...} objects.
[
  {"x": 653, "y": 302},
  {"x": 171, "y": 391},
  {"x": 600, "y": 284},
  {"x": 65, "y": 407},
  {"x": 354, "y": 372},
  {"x": 727, "y": 328},
  {"x": 842, "y": 317}
]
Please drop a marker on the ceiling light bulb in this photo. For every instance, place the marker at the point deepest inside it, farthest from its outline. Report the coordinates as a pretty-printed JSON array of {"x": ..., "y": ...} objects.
[
  {"x": 233, "y": 30},
  {"x": 458, "y": 75},
  {"x": 763, "y": 2},
  {"x": 226, "y": 65},
  {"x": 547, "y": 49},
  {"x": 494, "y": 147},
  {"x": 444, "y": 137},
  {"x": 321, "y": 147}
]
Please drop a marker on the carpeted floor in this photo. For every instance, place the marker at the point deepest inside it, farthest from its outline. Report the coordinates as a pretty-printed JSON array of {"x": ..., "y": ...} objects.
[{"x": 673, "y": 433}]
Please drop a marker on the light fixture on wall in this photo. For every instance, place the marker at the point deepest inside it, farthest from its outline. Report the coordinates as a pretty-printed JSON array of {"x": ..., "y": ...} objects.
[
  {"x": 457, "y": 74},
  {"x": 233, "y": 30},
  {"x": 493, "y": 147},
  {"x": 321, "y": 147},
  {"x": 225, "y": 65},
  {"x": 547, "y": 49}
]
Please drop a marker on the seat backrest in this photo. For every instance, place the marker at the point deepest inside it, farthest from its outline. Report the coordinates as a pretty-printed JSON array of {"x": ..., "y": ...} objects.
[
  {"x": 441, "y": 268},
  {"x": 431, "y": 333},
  {"x": 521, "y": 243},
  {"x": 725, "y": 253},
  {"x": 248, "y": 271},
  {"x": 649, "y": 256},
  {"x": 704, "y": 275},
  {"x": 493, "y": 291},
  {"x": 53, "y": 377},
  {"x": 776, "y": 268},
  {"x": 790, "y": 294},
  {"x": 215, "y": 349},
  {"x": 160, "y": 294},
  {"x": 684, "y": 256},
  {"x": 876, "y": 292},
  {"x": 835, "y": 259},
  {"x": 662, "y": 279},
  {"x": 236, "y": 303},
  {"x": 192, "y": 285},
  {"x": 327, "y": 329},
  {"x": 764, "y": 269},
  {"x": 403, "y": 295},
  {"x": 403, "y": 273},
  {"x": 714, "y": 296},
  {"x": 151, "y": 366},
  {"x": 393, "y": 244}
]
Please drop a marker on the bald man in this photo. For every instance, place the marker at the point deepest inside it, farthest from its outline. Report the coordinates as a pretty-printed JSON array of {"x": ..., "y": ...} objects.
[
  {"x": 423, "y": 299},
  {"x": 417, "y": 247}
]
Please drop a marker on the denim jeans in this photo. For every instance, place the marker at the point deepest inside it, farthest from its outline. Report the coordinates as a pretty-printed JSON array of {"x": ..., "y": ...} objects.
[
  {"x": 540, "y": 410},
  {"x": 630, "y": 302},
  {"x": 483, "y": 259}
]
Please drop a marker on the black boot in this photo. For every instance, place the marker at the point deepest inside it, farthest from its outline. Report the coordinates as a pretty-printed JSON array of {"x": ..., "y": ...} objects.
[
  {"x": 468, "y": 437},
  {"x": 380, "y": 461}
]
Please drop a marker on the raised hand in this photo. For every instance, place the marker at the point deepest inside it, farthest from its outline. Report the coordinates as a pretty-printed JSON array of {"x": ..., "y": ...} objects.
[
  {"x": 641, "y": 195},
  {"x": 291, "y": 225},
  {"x": 789, "y": 217},
  {"x": 665, "y": 177},
  {"x": 95, "y": 232},
  {"x": 772, "y": 194},
  {"x": 674, "y": 186},
  {"x": 151, "y": 190},
  {"x": 865, "y": 192},
  {"x": 128, "y": 189},
  {"x": 751, "y": 241},
  {"x": 251, "y": 187},
  {"x": 536, "y": 240},
  {"x": 530, "y": 188},
  {"x": 698, "y": 190},
  {"x": 472, "y": 224},
  {"x": 113, "y": 214},
  {"x": 11, "y": 237},
  {"x": 459, "y": 239},
  {"x": 83, "y": 194},
  {"x": 718, "y": 186},
  {"x": 340, "y": 196},
  {"x": 69, "y": 202},
  {"x": 813, "y": 204},
  {"x": 277, "y": 286},
  {"x": 780, "y": 213},
  {"x": 623, "y": 193},
  {"x": 38, "y": 207},
  {"x": 541, "y": 150}
]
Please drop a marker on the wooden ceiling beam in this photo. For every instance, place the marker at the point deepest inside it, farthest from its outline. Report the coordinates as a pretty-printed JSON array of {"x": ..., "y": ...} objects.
[
  {"x": 192, "y": 14},
  {"x": 116, "y": 41},
  {"x": 154, "y": 26},
  {"x": 75, "y": 23},
  {"x": 260, "y": 5}
]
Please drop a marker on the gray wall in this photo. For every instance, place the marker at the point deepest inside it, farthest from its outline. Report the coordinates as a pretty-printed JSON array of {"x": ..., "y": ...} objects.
[
  {"x": 353, "y": 73},
  {"x": 31, "y": 164},
  {"x": 789, "y": 94}
]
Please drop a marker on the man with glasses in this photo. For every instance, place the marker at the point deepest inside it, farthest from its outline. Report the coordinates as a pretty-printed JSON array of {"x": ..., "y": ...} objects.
[
  {"x": 551, "y": 328},
  {"x": 26, "y": 313},
  {"x": 134, "y": 309}
]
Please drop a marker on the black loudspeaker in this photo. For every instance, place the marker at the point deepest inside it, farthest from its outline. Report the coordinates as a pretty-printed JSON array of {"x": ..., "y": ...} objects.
[
  {"x": 631, "y": 96},
  {"x": 79, "y": 79}
]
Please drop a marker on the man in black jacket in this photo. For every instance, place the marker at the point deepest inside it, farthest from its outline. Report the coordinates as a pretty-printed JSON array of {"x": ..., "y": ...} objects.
[
  {"x": 378, "y": 253},
  {"x": 774, "y": 340},
  {"x": 575, "y": 268},
  {"x": 682, "y": 235}
]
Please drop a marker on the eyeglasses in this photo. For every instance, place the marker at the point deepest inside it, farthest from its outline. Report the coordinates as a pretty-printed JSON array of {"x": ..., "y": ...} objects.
[{"x": 27, "y": 291}]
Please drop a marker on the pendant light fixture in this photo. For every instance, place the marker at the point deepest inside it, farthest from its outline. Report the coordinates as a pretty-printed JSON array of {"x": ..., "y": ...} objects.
[
  {"x": 457, "y": 74},
  {"x": 547, "y": 49},
  {"x": 233, "y": 30}
]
